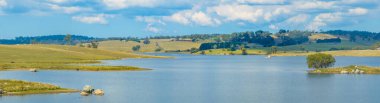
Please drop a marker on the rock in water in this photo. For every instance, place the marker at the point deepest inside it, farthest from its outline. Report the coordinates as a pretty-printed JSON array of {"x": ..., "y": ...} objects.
[
  {"x": 1, "y": 92},
  {"x": 357, "y": 71},
  {"x": 84, "y": 93},
  {"x": 343, "y": 72},
  {"x": 88, "y": 89},
  {"x": 33, "y": 70},
  {"x": 99, "y": 92},
  {"x": 361, "y": 72}
]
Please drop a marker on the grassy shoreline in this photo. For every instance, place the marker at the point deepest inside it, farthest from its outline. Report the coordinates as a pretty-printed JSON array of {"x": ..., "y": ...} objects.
[
  {"x": 347, "y": 70},
  {"x": 59, "y": 57},
  {"x": 17, "y": 87},
  {"x": 357, "y": 53}
]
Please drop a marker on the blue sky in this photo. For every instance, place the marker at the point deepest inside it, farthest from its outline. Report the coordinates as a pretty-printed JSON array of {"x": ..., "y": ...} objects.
[{"x": 141, "y": 18}]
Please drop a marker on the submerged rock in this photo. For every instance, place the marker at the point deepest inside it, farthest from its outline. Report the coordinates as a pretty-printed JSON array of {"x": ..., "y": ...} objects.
[
  {"x": 84, "y": 93},
  {"x": 343, "y": 72},
  {"x": 98, "y": 92}
]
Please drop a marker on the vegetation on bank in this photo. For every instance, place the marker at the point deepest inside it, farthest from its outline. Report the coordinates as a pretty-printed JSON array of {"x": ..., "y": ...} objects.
[
  {"x": 229, "y": 52},
  {"x": 59, "y": 57},
  {"x": 16, "y": 87},
  {"x": 321, "y": 63},
  {"x": 347, "y": 70},
  {"x": 359, "y": 53}
]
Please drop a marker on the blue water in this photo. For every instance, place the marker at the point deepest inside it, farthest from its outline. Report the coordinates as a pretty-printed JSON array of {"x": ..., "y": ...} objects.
[{"x": 209, "y": 79}]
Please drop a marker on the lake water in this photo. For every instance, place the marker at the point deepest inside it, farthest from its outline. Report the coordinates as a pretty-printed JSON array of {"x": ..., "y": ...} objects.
[{"x": 209, "y": 79}]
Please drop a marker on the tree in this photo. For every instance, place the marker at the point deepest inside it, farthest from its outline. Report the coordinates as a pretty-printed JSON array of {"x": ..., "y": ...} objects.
[
  {"x": 244, "y": 51},
  {"x": 320, "y": 60},
  {"x": 203, "y": 52},
  {"x": 146, "y": 41},
  {"x": 193, "y": 50},
  {"x": 158, "y": 49},
  {"x": 94, "y": 45},
  {"x": 136, "y": 48},
  {"x": 273, "y": 49},
  {"x": 68, "y": 39}
]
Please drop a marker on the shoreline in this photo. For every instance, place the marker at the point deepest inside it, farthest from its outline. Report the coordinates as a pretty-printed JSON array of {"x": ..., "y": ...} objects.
[
  {"x": 41, "y": 92},
  {"x": 347, "y": 70},
  {"x": 10, "y": 87}
]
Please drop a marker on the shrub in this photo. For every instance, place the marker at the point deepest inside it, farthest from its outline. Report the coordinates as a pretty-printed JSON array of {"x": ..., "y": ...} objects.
[{"x": 136, "y": 48}]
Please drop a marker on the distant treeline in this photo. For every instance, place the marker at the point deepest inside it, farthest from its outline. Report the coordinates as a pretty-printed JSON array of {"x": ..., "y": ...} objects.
[
  {"x": 50, "y": 39},
  {"x": 355, "y": 35},
  {"x": 230, "y": 45}
]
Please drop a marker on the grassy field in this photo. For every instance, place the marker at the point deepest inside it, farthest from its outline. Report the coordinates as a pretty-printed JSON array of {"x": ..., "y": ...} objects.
[
  {"x": 325, "y": 46},
  {"x": 363, "y": 53},
  {"x": 349, "y": 69},
  {"x": 321, "y": 36},
  {"x": 165, "y": 44},
  {"x": 237, "y": 52},
  {"x": 16, "y": 87},
  {"x": 59, "y": 57}
]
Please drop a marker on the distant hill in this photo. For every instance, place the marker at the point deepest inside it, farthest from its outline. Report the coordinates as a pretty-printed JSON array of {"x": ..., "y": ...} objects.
[{"x": 49, "y": 39}]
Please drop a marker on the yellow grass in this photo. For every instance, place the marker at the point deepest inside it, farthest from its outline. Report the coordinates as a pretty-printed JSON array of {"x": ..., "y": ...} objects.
[
  {"x": 350, "y": 69},
  {"x": 59, "y": 57},
  {"x": 237, "y": 52},
  {"x": 321, "y": 36},
  {"x": 16, "y": 87},
  {"x": 165, "y": 44},
  {"x": 363, "y": 53}
]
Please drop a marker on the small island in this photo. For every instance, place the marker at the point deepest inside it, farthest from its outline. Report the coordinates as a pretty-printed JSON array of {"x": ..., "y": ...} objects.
[
  {"x": 348, "y": 70},
  {"x": 322, "y": 63},
  {"x": 17, "y": 87}
]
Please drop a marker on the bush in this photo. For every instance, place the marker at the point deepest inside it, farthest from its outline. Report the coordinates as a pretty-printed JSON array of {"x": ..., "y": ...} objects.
[
  {"x": 244, "y": 51},
  {"x": 320, "y": 60},
  {"x": 136, "y": 48}
]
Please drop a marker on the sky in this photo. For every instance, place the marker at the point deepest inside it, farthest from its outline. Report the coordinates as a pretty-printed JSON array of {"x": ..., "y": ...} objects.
[{"x": 142, "y": 18}]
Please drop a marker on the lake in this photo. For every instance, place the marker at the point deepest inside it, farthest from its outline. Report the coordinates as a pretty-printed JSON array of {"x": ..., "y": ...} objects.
[{"x": 209, "y": 79}]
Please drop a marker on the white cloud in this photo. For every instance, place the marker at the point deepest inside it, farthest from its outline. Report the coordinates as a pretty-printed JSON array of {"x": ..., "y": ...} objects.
[
  {"x": 358, "y": 11},
  {"x": 3, "y": 3},
  {"x": 151, "y": 28},
  {"x": 69, "y": 10},
  {"x": 314, "y": 4},
  {"x": 301, "y": 18},
  {"x": 323, "y": 20},
  {"x": 238, "y": 12},
  {"x": 262, "y": 1},
  {"x": 121, "y": 4},
  {"x": 273, "y": 27},
  {"x": 150, "y": 20},
  {"x": 94, "y": 19},
  {"x": 187, "y": 17},
  {"x": 58, "y": 1}
]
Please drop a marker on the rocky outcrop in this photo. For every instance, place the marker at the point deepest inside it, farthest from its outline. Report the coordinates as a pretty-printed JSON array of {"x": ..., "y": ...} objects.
[
  {"x": 33, "y": 70},
  {"x": 343, "y": 72},
  {"x": 98, "y": 92},
  {"x": 87, "y": 90}
]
